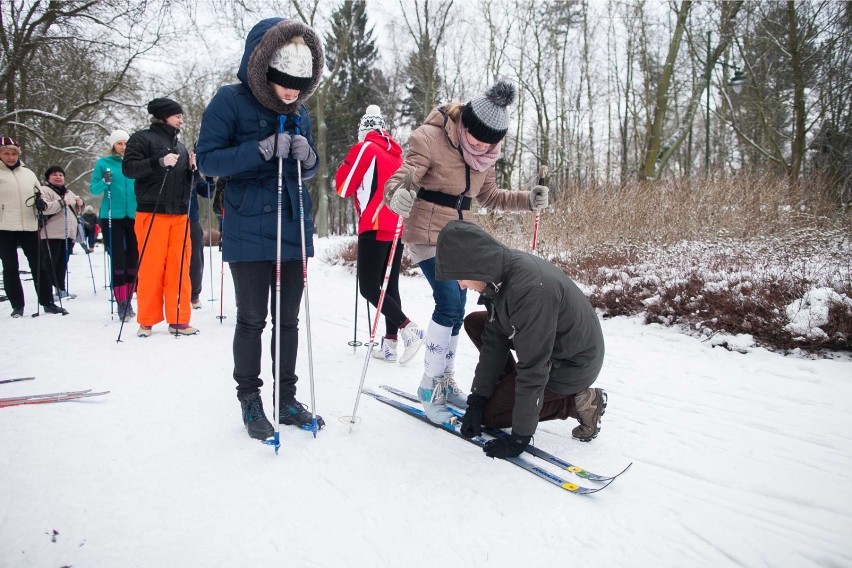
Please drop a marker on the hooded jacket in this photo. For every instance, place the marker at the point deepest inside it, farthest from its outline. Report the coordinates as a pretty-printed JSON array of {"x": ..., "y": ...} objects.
[
  {"x": 120, "y": 190},
  {"x": 364, "y": 172},
  {"x": 534, "y": 309},
  {"x": 434, "y": 155},
  {"x": 17, "y": 187},
  {"x": 237, "y": 118},
  {"x": 158, "y": 189}
]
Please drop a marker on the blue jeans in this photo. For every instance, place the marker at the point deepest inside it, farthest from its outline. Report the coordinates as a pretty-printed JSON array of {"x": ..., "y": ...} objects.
[
  {"x": 253, "y": 282},
  {"x": 449, "y": 298}
]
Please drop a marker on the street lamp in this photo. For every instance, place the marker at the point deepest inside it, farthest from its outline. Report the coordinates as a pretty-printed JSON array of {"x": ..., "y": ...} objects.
[{"x": 737, "y": 82}]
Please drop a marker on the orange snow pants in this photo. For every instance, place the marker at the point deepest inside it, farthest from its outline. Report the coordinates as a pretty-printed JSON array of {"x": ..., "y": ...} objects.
[{"x": 164, "y": 272}]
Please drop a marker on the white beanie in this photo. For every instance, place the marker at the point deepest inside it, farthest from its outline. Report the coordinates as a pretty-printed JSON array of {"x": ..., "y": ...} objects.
[
  {"x": 372, "y": 120},
  {"x": 117, "y": 136},
  {"x": 292, "y": 66}
]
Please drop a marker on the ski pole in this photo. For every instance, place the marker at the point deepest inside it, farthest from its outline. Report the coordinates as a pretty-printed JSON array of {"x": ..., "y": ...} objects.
[
  {"x": 276, "y": 436},
  {"x": 182, "y": 263},
  {"x": 144, "y": 246},
  {"x": 314, "y": 426},
  {"x": 542, "y": 173},
  {"x": 355, "y": 343},
  {"x": 83, "y": 242},
  {"x": 221, "y": 315},
  {"x": 353, "y": 420},
  {"x": 210, "y": 238},
  {"x": 108, "y": 180}
]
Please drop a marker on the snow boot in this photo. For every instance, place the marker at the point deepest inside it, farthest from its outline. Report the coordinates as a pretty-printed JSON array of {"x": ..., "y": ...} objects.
[
  {"x": 54, "y": 309},
  {"x": 455, "y": 395},
  {"x": 432, "y": 391},
  {"x": 412, "y": 338},
  {"x": 123, "y": 312},
  {"x": 18, "y": 313},
  {"x": 257, "y": 426},
  {"x": 145, "y": 331},
  {"x": 386, "y": 351},
  {"x": 294, "y": 413},
  {"x": 590, "y": 405},
  {"x": 182, "y": 329}
]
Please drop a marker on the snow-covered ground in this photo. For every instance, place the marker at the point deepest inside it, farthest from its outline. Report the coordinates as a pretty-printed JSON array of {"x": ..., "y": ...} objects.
[{"x": 738, "y": 459}]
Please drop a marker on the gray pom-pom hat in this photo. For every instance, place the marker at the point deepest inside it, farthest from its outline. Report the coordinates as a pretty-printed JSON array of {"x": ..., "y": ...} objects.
[{"x": 485, "y": 116}]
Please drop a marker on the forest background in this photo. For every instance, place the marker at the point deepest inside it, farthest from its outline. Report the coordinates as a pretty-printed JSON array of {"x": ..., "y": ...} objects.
[{"x": 699, "y": 153}]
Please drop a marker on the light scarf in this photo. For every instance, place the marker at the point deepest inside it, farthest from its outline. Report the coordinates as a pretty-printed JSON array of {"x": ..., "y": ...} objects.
[{"x": 480, "y": 160}]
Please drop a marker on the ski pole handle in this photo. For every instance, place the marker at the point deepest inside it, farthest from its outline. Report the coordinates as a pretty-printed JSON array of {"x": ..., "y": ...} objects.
[
  {"x": 108, "y": 176},
  {"x": 542, "y": 173}
]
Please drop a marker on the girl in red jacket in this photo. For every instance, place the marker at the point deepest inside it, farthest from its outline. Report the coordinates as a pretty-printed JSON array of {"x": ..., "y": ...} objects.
[{"x": 363, "y": 174}]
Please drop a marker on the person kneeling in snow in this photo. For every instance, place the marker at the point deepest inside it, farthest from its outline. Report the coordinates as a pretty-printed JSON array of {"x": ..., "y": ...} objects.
[{"x": 535, "y": 309}]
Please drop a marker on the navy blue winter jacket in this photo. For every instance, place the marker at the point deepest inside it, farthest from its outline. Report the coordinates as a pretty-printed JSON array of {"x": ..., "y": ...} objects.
[{"x": 233, "y": 124}]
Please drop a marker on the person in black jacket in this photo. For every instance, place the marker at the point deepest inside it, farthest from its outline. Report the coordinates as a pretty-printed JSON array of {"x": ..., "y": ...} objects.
[
  {"x": 535, "y": 309},
  {"x": 163, "y": 169}
]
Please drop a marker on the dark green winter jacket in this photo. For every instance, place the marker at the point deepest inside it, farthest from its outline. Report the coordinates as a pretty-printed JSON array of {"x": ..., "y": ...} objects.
[{"x": 535, "y": 309}]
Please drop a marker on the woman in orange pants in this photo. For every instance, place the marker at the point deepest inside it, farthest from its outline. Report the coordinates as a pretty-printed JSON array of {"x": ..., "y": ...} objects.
[{"x": 163, "y": 169}]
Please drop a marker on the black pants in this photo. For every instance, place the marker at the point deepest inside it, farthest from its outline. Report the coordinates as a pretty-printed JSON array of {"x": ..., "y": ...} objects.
[
  {"x": 54, "y": 258},
  {"x": 372, "y": 263},
  {"x": 196, "y": 258},
  {"x": 498, "y": 411},
  {"x": 122, "y": 248},
  {"x": 28, "y": 241},
  {"x": 254, "y": 288}
]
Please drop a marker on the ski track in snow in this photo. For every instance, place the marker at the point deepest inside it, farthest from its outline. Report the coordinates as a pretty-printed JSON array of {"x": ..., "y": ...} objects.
[{"x": 739, "y": 459}]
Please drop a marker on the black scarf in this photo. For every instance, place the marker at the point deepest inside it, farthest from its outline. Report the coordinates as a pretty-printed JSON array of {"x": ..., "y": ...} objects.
[{"x": 61, "y": 190}]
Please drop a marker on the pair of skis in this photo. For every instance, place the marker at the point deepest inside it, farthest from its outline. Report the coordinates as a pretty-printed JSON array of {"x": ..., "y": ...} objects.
[
  {"x": 521, "y": 462},
  {"x": 44, "y": 398}
]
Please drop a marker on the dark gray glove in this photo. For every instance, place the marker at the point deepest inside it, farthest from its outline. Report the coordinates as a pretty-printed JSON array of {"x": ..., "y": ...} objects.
[
  {"x": 303, "y": 152},
  {"x": 269, "y": 150}
]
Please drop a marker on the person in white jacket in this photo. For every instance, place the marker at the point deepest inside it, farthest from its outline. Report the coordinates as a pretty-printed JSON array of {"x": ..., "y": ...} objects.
[{"x": 19, "y": 187}]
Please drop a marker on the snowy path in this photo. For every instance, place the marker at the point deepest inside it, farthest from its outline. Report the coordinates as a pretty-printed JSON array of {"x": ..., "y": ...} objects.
[{"x": 739, "y": 460}]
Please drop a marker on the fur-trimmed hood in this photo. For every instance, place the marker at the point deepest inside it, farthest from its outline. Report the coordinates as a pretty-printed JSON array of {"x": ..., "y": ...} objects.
[{"x": 264, "y": 39}]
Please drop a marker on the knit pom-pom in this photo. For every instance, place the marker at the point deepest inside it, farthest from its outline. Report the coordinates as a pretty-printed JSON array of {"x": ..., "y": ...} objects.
[
  {"x": 373, "y": 110},
  {"x": 502, "y": 93}
]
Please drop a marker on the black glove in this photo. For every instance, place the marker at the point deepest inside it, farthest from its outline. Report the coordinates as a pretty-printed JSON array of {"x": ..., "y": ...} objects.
[
  {"x": 473, "y": 417},
  {"x": 510, "y": 447},
  {"x": 40, "y": 204}
]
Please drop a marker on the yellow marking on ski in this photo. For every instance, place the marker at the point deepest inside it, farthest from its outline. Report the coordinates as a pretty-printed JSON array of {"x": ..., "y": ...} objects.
[
  {"x": 575, "y": 469},
  {"x": 570, "y": 486}
]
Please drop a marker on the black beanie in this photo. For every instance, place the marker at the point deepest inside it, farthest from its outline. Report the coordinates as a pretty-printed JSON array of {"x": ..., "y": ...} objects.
[{"x": 163, "y": 108}]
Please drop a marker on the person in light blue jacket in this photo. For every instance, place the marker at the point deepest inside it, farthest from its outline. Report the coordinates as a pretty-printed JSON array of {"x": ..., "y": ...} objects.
[
  {"x": 240, "y": 139},
  {"x": 118, "y": 210}
]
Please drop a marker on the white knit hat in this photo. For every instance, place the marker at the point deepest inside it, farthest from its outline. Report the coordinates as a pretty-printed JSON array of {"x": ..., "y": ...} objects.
[
  {"x": 372, "y": 120},
  {"x": 292, "y": 66},
  {"x": 117, "y": 136}
]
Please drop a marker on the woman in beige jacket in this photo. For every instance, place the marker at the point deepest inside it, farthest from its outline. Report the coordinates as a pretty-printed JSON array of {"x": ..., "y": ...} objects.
[
  {"x": 60, "y": 226},
  {"x": 450, "y": 160}
]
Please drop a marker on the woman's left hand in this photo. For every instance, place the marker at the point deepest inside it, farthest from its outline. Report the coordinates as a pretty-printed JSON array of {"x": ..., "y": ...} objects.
[{"x": 538, "y": 197}]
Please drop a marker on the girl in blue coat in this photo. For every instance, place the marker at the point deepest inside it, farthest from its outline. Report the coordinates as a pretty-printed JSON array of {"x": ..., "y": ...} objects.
[
  {"x": 117, "y": 220},
  {"x": 281, "y": 67}
]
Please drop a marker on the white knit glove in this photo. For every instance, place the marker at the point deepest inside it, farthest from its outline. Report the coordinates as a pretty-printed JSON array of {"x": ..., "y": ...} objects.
[
  {"x": 402, "y": 202},
  {"x": 538, "y": 197}
]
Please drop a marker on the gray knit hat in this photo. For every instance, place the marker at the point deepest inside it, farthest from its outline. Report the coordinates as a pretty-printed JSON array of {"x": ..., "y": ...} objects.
[{"x": 485, "y": 116}]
